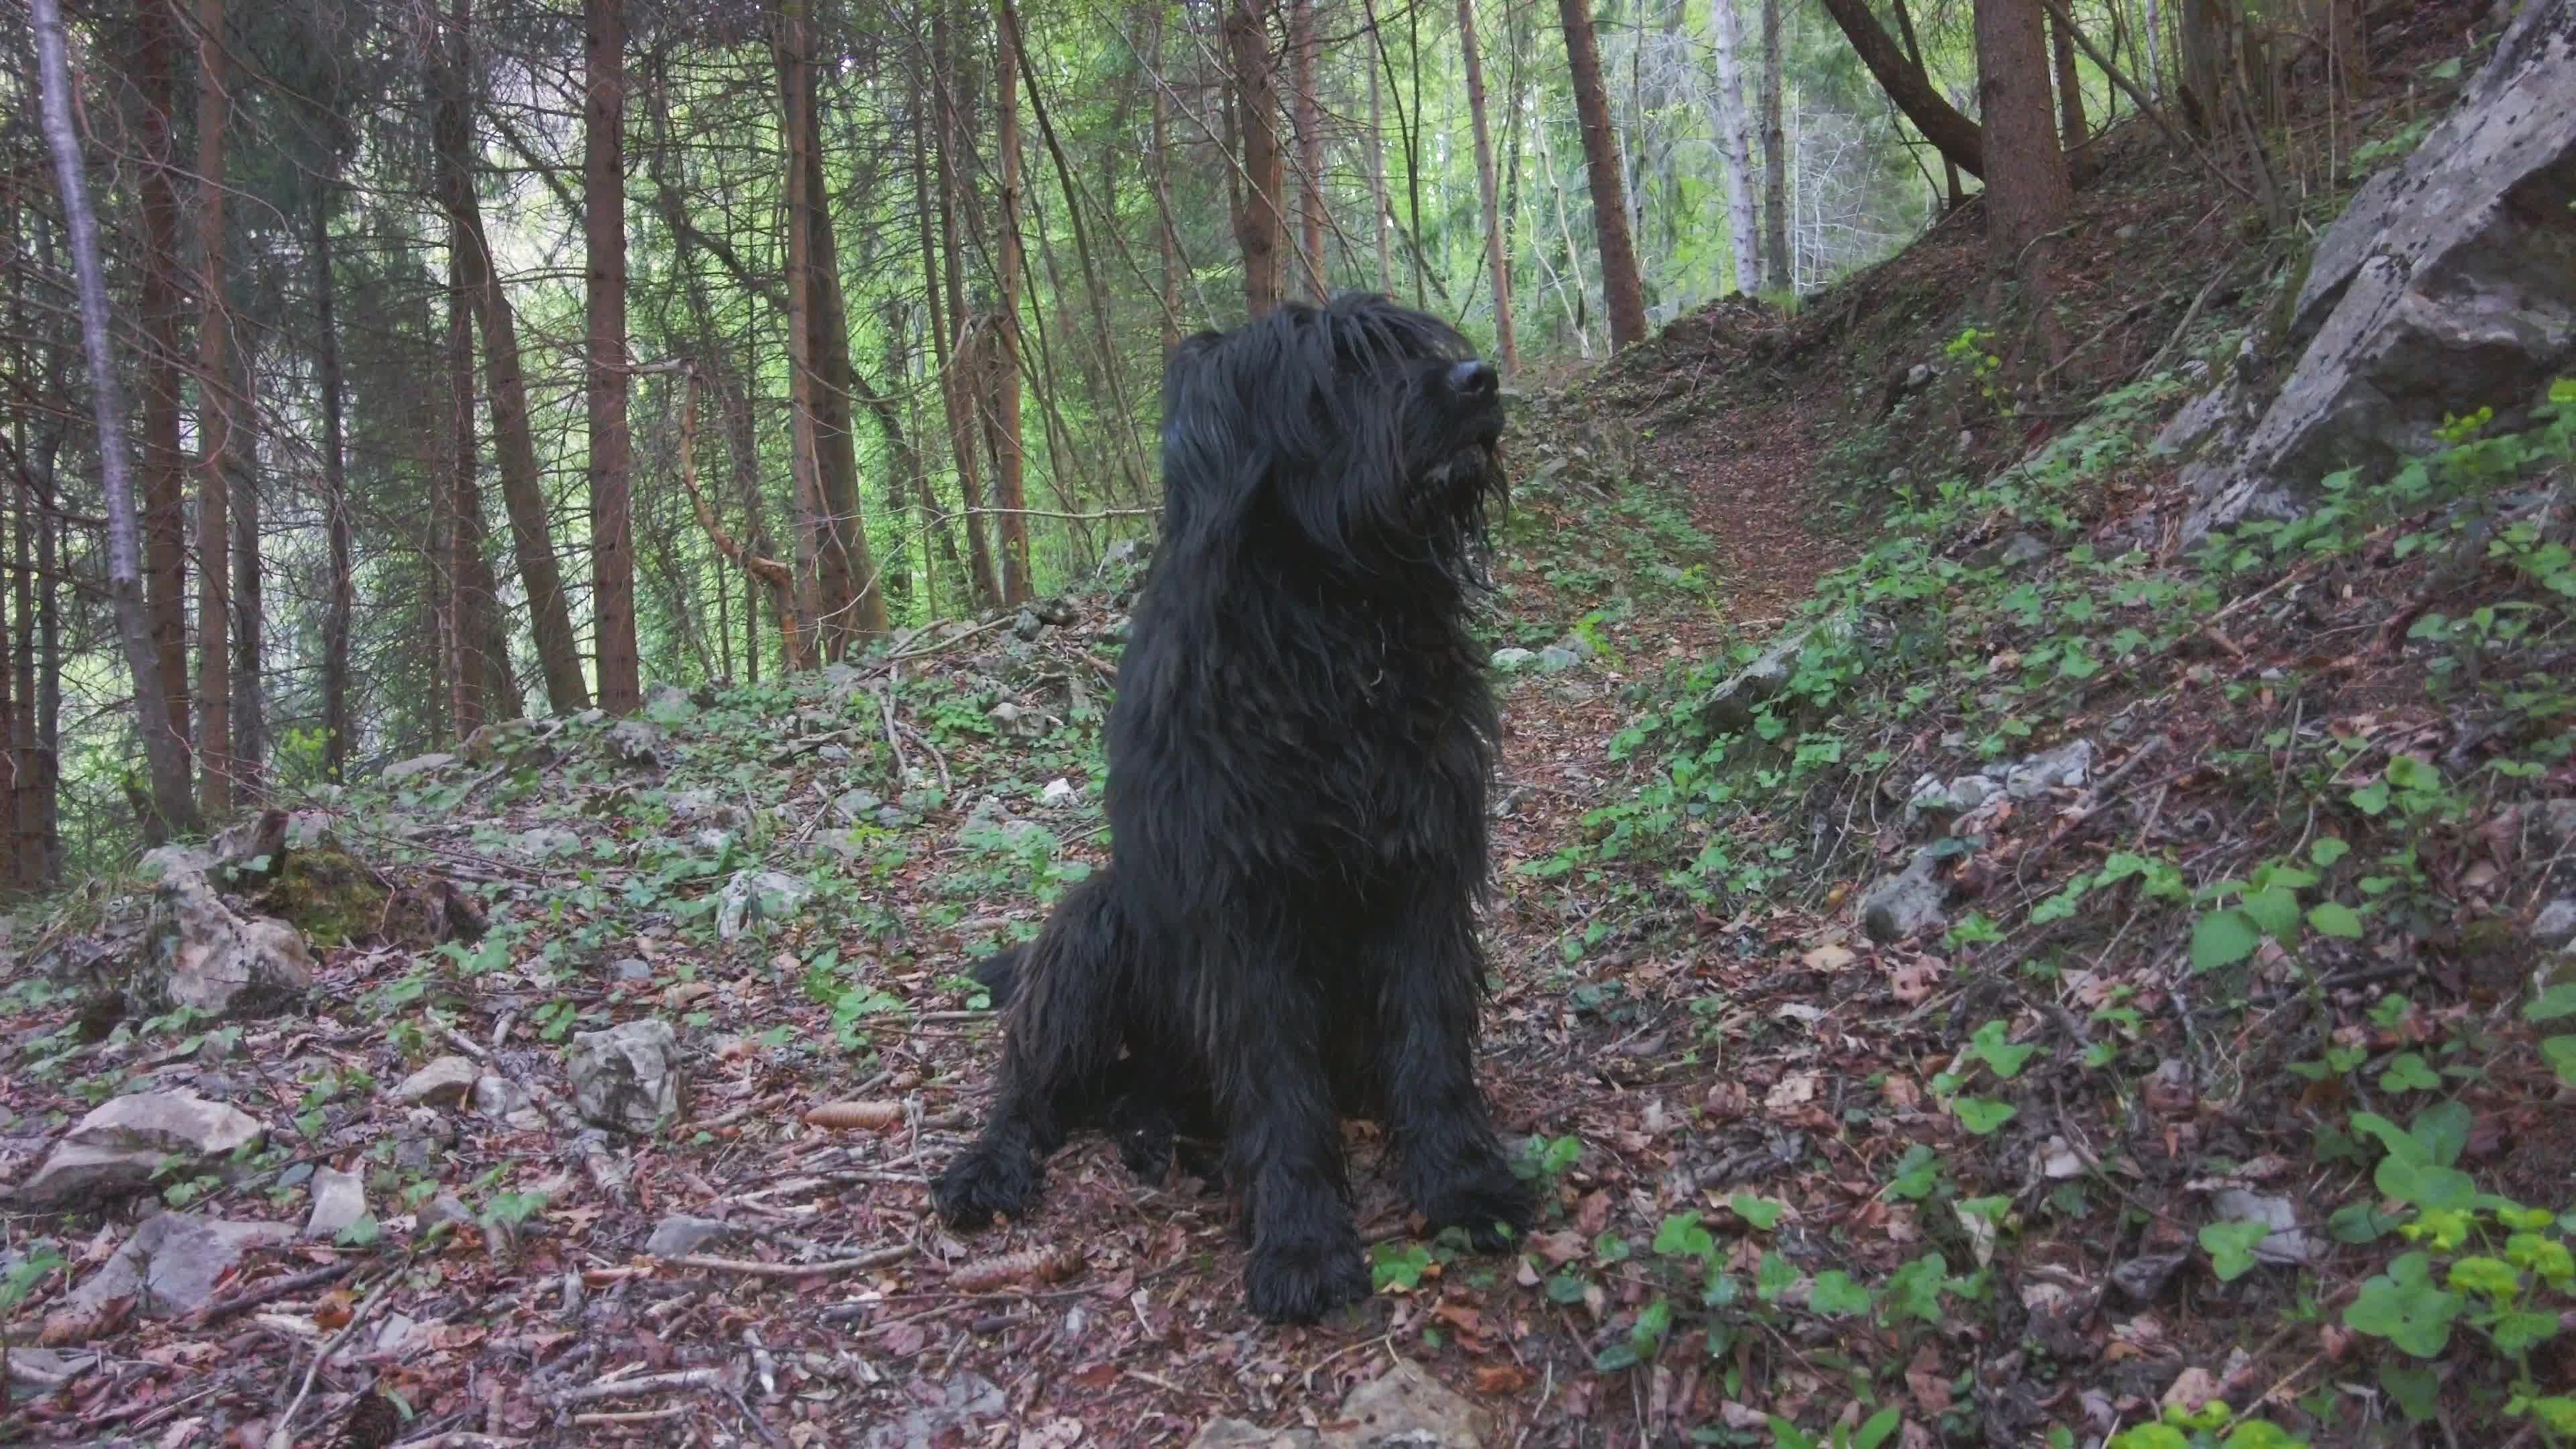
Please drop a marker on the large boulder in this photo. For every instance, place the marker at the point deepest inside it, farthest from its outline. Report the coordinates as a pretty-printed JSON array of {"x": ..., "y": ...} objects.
[
  {"x": 2448, "y": 284},
  {"x": 627, "y": 1078},
  {"x": 126, "y": 1141},
  {"x": 199, "y": 952}
]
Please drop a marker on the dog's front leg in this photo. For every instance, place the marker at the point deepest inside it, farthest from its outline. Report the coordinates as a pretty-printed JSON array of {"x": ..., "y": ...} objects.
[
  {"x": 1453, "y": 1167},
  {"x": 1284, "y": 1145}
]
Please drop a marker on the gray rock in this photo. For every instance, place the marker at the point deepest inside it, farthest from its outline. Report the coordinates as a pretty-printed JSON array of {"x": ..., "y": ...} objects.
[
  {"x": 1556, "y": 659},
  {"x": 1026, "y": 625},
  {"x": 2212, "y": 422},
  {"x": 2285, "y": 1246},
  {"x": 543, "y": 842},
  {"x": 124, "y": 1141},
  {"x": 2448, "y": 283},
  {"x": 1016, "y": 721},
  {"x": 1933, "y": 795},
  {"x": 339, "y": 1200},
  {"x": 2143, "y": 1280},
  {"x": 704, "y": 805},
  {"x": 893, "y": 818},
  {"x": 1407, "y": 1406},
  {"x": 1919, "y": 377},
  {"x": 199, "y": 952},
  {"x": 627, "y": 1078},
  {"x": 962, "y": 1400},
  {"x": 417, "y": 765},
  {"x": 492, "y": 740},
  {"x": 754, "y": 895},
  {"x": 443, "y": 1083},
  {"x": 989, "y": 823},
  {"x": 680, "y": 1233},
  {"x": 505, "y": 1101},
  {"x": 2554, "y": 823},
  {"x": 1223, "y": 1433},
  {"x": 638, "y": 743},
  {"x": 1059, "y": 793},
  {"x": 1906, "y": 904},
  {"x": 172, "y": 1263},
  {"x": 1510, "y": 659},
  {"x": 2555, "y": 926},
  {"x": 2069, "y": 766},
  {"x": 2022, "y": 550},
  {"x": 1729, "y": 708},
  {"x": 629, "y": 968},
  {"x": 667, "y": 701}
]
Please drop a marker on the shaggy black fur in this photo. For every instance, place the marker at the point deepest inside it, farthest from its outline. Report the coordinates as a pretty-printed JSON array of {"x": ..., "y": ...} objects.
[{"x": 1298, "y": 758}]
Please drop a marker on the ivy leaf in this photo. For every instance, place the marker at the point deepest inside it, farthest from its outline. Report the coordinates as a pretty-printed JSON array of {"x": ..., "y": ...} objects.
[
  {"x": 2552, "y": 1004},
  {"x": 1835, "y": 1295},
  {"x": 2371, "y": 799},
  {"x": 2408, "y": 1073},
  {"x": 1759, "y": 1213},
  {"x": 2332, "y": 918},
  {"x": 2223, "y": 938},
  {"x": 2231, "y": 1247},
  {"x": 1773, "y": 1278},
  {"x": 2325, "y": 850},
  {"x": 1981, "y": 1116},
  {"x": 1681, "y": 1236},
  {"x": 2402, "y": 1306},
  {"x": 2276, "y": 910},
  {"x": 2560, "y": 1053},
  {"x": 1989, "y": 1042}
]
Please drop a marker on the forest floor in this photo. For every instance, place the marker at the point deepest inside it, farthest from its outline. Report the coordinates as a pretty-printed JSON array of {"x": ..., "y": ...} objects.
[{"x": 2236, "y": 929}]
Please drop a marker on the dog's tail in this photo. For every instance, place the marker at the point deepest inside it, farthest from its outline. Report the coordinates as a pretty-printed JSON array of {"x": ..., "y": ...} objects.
[{"x": 999, "y": 973}]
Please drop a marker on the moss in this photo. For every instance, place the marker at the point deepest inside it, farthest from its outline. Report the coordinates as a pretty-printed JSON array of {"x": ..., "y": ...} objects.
[{"x": 328, "y": 895}]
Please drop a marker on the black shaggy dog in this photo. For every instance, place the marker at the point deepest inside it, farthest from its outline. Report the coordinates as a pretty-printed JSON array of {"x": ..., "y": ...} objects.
[{"x": 1298, "y": 758}]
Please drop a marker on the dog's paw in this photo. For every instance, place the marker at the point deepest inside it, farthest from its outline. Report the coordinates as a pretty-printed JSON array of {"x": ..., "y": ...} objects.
[
  {"x": 1300, "y": 1282},
  {"x": 1488, "y": 1202},
  {"x": 982, "y": 1183}
]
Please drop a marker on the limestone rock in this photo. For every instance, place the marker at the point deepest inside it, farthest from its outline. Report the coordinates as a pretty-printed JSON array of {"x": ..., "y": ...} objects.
[
  {"x": 443, "y": 1083},
  {"x": 758, "y": 895},
  {"x": 2449, "y": 283},
  {"x": 1407, "y": 1406},
  {"x": 638, "y": 743},
  {"x": 1906, "y": 904},
  {"x": 1729, "y": 707},
  {"x": 201, "y": 953},
  {"x": 626, "y": 1078},
  {"x": 416, "y": 766},
  {"x": 123, "y": 1142},
  {"x": 339, "y": 1200},
  {"x": 1508, "y": 660},
  {"x": 172, "y": 1263}
]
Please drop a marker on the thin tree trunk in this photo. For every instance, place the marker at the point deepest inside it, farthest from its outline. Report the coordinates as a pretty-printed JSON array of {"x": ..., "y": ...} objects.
[
  {"x": 1734, "y": 122},
  {"x": 461, "y": 519},
  {"x": 1958, "y": 139},
  {"x": 1622, "y": 294},
  {"x": 173, "y": 804},
  {"x": 216, "y": 430},
  {"x": 822, "y": 578},
  {"x": 836, "y": 393},
  {"x": 612, "y": 523},
  {"x": 2070, "y": 86},
  {"x": 935, "y": 314},
  {"x": 1495, "y": 257},
  {"x": 164, "y": 476},
  {"x": 1381, "y": 216},
  {"x": 1954, "y": 194},
  {"x": 1777, "y": 273},
  {"x": 22, "y": 852},
  {"x": 1257, "y": 220},
  {"x": 955, "y": 371},
  {"x": 1310, "y": 146},
  {"x": 337, "y": 726},
  {"x": 1515, "y": 129},
  {"x": 249, "y": 616},
  {"x": 514, "y": 441},
  {"x": 1168, "y": 283},
  {"x": 1010, "y": 491}
]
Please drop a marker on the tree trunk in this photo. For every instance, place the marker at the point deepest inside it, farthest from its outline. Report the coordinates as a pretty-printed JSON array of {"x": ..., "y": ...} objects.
[
  {"x": 2027, "y": 191},
  {"x": 1734, "y": 123},
  {"x": 249, "y": 613},
  {"x": 1958, "y": 139},
  {"x": 612, "y": 524},
  {"x": 1952, "y": 191},
  {"x": 1381, "y": 218},
  {"x": 2070, "y": 87},
  {"x": 2202, "y": 29},
  {"x": 461, "y": 518},
  {"x": 1623, "y": 295},
  {"x": 957, "y": 388},
  {"x": 1779, "y": 276},
  {"x": 1497, "y": 260},
  {"x": 836, "y": 390},
  {"x": 337, "y": 727},
  {"x": 1010, "y": 489},
  {"x": 1257, "y": 220},
  {"x": 22, "y": 852},
  {"x": 1311, "y": 211},
  {"x": 1168, "y": 282},
  {"x": 217, "y": 429},
  {"x": 822, "y": 578},
  {"x": 173, "y": 804},
  {"x": 155, "y": 66},
  {"x": 924, "y": 150},
  {"x": 514, "y": 441}
]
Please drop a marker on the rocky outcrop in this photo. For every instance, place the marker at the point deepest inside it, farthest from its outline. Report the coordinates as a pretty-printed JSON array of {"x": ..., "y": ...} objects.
[
  {"x": 122, "y": 1145},
  {"x": 2448, "y": 284}
]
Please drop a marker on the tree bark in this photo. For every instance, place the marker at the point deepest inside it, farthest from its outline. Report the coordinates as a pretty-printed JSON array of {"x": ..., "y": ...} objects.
[
  {"x": 164, "y": 476},
  {"x": 1257, "y": 219},
  {"x": 1779, "y": 270},
  {"x": 249, "y": 612},
  {"x": 2028, "y": 193},
  {"x": 1956, "y": 137},
  {"x": 1010, "y": 488},
  {"x": 460, "y": 515},
  {"x": 216, "y": 430},
  {"x": 1951, "y": 190},
  {"x": 956, "y": 386},
  {"x": 1381, "y": 218},
  {"x": 2070, "y": 86},
  {"x": 836, "y": 392},
  {"x": 338, "y": 728},
  {"x": 1734, "y": 123},
  {"x": 514, "y": 441},
  {"x": 1168, "y": 282},
  {"x": 173, "y": 804},
  {"x": 1623, "y": 295},
  {"x": 1497, "y": 260},
  {"x": 1311, "y": 212},
  {"x": 612, "y": 523},
  {"x": 822, "y": 580}
]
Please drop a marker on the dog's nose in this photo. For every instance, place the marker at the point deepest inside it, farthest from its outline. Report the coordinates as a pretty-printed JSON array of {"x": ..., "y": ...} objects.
[{"x": 1473, "y": 378}]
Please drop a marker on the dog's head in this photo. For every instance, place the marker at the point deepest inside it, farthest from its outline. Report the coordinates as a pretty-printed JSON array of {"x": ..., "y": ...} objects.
[{"x": 1370, "y": 428}]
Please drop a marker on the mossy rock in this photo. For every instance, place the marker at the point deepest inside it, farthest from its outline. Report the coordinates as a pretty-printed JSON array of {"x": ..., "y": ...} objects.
[{"x": 328, "y": 895}]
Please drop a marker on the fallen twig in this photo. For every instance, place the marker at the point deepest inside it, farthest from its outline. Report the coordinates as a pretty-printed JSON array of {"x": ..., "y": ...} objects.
[
  {"x": 696, "y": 1378},
  {"x": 750, "y": 1268}
]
